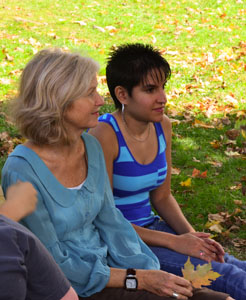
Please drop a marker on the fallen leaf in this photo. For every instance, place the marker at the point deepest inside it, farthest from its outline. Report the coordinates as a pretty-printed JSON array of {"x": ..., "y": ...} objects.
[
  {"x": 203, "y": 174},
  {"x": 196, "y": 160},
  {"x": 226, "y": 121},
  {"x": 195, "y": 173},
  {"x": 203, "y": 275},
  {"x": 99, "y": 28},
  {"x": 175, "y": 171},
  {"x": 232, "y": 153},
  {"x": 236, "y": 187},
  {"x": 9, "y": 58},
  {"x": 186, "y": 182},
  {"x": 215, "y": 163},
  {"x": 198, "y": 123},
  {"x": 216, "y": 228},
  {"x": 81, "y": 23},
  {"x": 238, "y": 202},
  {"x": 233, "y": 133}
]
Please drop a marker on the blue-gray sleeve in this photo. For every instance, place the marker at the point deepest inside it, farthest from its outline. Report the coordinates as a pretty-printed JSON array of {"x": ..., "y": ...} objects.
[{"x": 126, "y": 249}]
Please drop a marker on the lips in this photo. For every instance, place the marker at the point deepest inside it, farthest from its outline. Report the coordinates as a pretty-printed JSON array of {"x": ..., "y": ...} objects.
[{"x": 159, "y": 109}]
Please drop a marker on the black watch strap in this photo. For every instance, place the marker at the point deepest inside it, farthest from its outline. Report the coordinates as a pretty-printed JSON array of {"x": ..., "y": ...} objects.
[{"x": 131, "y": 272}]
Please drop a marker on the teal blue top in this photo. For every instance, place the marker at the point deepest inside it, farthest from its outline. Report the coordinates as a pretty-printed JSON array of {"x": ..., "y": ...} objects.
[{"x": 82, "y": 229}]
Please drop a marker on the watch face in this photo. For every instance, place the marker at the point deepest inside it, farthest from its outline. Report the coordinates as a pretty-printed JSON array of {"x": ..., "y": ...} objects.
[{"x": 131, "y": 283}]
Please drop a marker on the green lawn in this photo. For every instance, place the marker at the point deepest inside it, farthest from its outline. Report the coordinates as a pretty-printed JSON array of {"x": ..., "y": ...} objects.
[{"x": 205, "y": 44}]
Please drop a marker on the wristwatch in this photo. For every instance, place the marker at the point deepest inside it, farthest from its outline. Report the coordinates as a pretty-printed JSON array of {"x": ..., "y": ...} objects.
[{"x": 131, "y": 282}]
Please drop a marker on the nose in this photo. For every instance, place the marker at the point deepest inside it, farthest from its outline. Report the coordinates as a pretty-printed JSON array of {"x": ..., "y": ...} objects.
[
  {"x": 99, "y": 100},
  {"x": 162, "y": 98}
]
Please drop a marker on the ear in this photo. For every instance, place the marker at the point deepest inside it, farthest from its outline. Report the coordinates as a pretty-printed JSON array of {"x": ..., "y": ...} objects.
[{"x": 121, "y": 94}]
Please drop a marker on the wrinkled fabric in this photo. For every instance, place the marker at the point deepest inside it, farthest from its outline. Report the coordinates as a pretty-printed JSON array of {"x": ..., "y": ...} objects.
[{"x": 82, "y": 229}]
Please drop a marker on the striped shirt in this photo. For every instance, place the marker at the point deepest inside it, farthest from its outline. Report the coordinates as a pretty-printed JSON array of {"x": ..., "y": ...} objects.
[{"x": 133, "y": 181}]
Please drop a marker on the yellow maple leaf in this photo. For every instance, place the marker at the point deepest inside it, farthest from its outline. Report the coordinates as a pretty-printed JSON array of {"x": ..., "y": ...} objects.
[
  {"x": 203, "y": 275},
  {"x": 186, "y": 182}
]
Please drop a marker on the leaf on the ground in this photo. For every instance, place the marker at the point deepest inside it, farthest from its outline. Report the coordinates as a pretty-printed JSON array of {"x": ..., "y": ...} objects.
[
  {"x": 81, "y": 23},
  {"x": 202, "y": 275},
  {"x": 186, "y": 182},
  {"x": 174, "y": 121},
  {"x": 8, "y": 57},
  {"x": 232, "y": 134},
  {"x": 5, "y": 81},
  {"x": 236, "y": 187},
  {"x": 203, "y": 174},
  {"x": 175, "y": 171},
  {"x": 215, "y": 164},
  {"x": 99, "y": 28},
  {"x": 195, "y": 173},
  {"x": 238, "y": 202},
  {"x": 196, "y": 160},
  {"x": 214, "y": 226},
  {"x": 232, "y": 153},
  {"x": 198, "y": 123},
  {"x": 226, "y": 121}
]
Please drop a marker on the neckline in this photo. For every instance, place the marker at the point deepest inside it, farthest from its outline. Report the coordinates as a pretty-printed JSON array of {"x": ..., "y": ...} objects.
[
  {"x": 142, "y": 165},
  {"x": 49, "y": 178}
]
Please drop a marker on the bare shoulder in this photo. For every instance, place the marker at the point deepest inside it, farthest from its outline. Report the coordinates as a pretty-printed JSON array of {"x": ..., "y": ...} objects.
[
  {"x": 105, "y": 134},
  {"x": 102, "y": 131}
]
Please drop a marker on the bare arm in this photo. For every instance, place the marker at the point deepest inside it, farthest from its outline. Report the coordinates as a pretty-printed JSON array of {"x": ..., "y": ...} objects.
[
  {"x": 162, "y": 198},
  {"x": 155, "y": 281},
  {"x": 108, "y": 140},
  {"x": 188, "y": 241},
  {"x": 21, "y": 200}
]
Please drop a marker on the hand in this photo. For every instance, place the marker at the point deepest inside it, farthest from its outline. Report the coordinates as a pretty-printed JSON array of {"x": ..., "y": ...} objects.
[
  {"x": 21, "y": 200},
  {"x": 164, "y": 284},
  {"x": 198, "y": 244},
  {"x": 219, "y": 249}
]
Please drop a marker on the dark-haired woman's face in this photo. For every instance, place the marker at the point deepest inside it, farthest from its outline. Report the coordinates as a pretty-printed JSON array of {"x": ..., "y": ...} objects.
[
  {"x": 148, "y": 99},
  {"x": 83, "y": 112}
]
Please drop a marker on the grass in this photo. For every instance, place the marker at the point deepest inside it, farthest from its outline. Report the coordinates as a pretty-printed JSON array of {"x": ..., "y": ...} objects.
[{"x": 205, "y": 44}]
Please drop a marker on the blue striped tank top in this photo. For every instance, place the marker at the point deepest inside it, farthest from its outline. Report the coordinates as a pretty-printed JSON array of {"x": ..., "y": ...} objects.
[{"x": 133, "y": 181}]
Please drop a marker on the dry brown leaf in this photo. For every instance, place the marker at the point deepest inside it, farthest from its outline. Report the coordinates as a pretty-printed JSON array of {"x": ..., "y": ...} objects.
[
  {"x": 232, "y": 134},
  {"x": 175, "y": 171}
]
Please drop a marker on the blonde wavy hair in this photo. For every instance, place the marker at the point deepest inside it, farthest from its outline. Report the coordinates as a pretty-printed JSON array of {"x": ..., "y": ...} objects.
[{"x": 50, "y": 82}]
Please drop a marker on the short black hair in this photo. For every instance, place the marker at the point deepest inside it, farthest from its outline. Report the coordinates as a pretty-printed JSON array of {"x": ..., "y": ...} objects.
[{"x": 129, "y": 65}]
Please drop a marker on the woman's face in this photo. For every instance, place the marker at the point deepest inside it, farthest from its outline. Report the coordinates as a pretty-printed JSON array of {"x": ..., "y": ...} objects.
[
  {"x": 83, "y": 112},
  {"x": 148, "y": 99}
]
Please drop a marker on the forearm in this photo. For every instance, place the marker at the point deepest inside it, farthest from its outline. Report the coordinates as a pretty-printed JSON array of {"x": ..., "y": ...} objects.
[
  {"x": 117, "y": 278},
  {"x": 157, "y": 238},
  {"x": 172, "y": 214}
]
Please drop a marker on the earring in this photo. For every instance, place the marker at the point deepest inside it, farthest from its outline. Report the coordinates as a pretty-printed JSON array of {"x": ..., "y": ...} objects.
[{"x": 122, "y": 108}]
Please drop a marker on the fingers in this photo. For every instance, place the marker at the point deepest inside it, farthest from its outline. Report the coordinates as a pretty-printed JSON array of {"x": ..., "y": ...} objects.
[
  {"x": 182, "y": 287},
  {"x": 216, "y": 245},
  {"x": 201, "y": 234}
]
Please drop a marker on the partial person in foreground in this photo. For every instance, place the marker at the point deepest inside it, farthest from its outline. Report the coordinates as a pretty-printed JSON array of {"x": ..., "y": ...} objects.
[
  {"x": 76, "y": 219},
  {"x": 136, "y": 140},
  {"x": 27, "y": 270}
]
